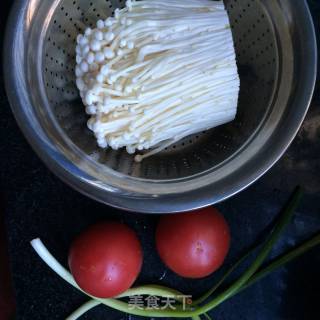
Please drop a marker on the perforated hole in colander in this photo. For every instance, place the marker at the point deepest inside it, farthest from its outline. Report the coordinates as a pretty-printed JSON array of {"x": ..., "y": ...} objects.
[{"x": 257, "y": 59}]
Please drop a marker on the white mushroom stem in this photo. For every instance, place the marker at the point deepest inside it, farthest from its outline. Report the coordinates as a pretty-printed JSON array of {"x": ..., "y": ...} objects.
[{"x": 156, "y": 72}]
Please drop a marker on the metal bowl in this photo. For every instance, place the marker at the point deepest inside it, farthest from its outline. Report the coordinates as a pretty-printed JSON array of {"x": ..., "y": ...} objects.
[{"x": 277, "y": 57}]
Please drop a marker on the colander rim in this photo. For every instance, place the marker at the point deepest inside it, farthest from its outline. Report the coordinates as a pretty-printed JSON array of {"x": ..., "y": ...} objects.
[{"x": 176, "y": 202}]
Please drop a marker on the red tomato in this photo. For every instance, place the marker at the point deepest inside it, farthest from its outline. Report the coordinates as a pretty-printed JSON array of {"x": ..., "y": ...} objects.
[
  {"x": 195, "y": 244},
  {"x": 106, "y": 259}
]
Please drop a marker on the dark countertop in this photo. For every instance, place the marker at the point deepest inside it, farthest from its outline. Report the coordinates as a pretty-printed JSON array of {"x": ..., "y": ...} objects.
[{"x": 39, "y": 205}]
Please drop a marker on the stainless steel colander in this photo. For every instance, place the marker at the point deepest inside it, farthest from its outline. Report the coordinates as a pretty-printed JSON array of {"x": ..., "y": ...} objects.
[{"x": 276, "y": 53}]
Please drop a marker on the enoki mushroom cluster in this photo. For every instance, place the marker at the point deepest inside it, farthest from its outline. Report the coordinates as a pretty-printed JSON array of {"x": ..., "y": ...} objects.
[{"x": 157, "y": 72}]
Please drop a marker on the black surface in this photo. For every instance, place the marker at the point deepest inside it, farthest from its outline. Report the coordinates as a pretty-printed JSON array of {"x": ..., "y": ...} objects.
[{"x": 40, "y": 205}]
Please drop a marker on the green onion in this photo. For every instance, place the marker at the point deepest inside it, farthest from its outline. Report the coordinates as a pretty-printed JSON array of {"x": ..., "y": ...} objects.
[
  {"x": 253, "y": 274},
  {"x": 284, "y": 219},
  {"x": 281, "y": 261},
  {"x": 83, "y": 309},
  {"x": 207, "y": 316},
  {"x": 226, "y": 275},
  {"x": 152, "y": 290}
]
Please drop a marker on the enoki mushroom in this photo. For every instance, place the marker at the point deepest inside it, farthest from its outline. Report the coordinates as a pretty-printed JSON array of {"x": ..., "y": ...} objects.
[{"x": 157, "y": 72}]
